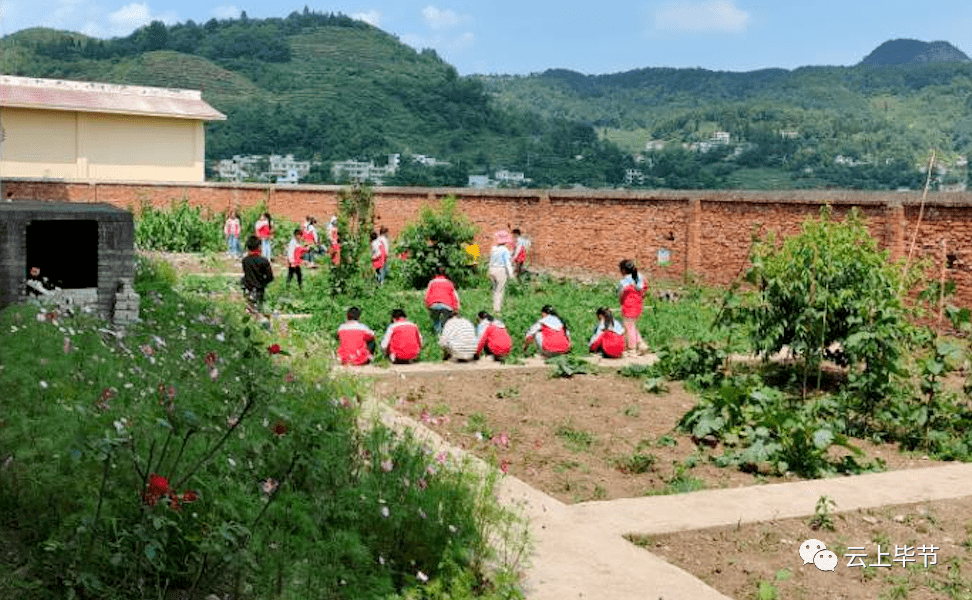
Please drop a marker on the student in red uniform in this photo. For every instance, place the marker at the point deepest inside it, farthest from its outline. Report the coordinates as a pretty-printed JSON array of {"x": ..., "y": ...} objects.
[
  {"x": 493, "y": 337},
  {"x": 608, "y": 338},
  {"x": 402, "y": 342},
  {"x": 295, "y": 256},
  {"x": 264, "y": 231},
  {"x": 550, "y": 334},
  {"x": 378, "y": 257},
  {"x": 631, "y": 295},
  {"x": 356, "y": 341},
  {"x": 441, "y": 299},
  {"x": 333, "y": 238},
  {"x": 520, "y": 249}
]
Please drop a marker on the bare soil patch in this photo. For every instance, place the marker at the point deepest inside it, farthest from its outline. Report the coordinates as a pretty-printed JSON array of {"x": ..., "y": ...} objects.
[
  {"x": 589, "y": 437},
  {"x": 762, "y": 560}
]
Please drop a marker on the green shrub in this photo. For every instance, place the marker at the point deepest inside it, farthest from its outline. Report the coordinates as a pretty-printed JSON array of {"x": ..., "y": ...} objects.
[
  {"x": 438, "y": 237},
  {"x": 829, "y": 292}
]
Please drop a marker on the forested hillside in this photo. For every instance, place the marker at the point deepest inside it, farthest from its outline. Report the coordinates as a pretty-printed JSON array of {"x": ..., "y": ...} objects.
[
  {"x": 327, "y": 87},
  {"x": 860, "y": 127}
]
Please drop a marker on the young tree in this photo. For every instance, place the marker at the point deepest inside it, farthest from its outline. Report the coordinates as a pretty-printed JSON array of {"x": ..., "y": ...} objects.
[{"x": 830, "y": 292}]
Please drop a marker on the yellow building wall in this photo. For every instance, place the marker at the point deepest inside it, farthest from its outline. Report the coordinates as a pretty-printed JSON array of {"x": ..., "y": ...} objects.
[{"x": 100, "y": 147}]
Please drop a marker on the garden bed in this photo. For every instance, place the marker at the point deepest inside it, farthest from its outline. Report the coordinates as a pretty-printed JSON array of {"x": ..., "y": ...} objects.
[
  {"x": 762, "y": 560},
  {"x": 589, "y": 437}
]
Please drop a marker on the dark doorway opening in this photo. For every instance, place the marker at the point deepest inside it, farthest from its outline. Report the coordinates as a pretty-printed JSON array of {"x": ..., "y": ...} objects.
[{"x": 66, "y": 252}]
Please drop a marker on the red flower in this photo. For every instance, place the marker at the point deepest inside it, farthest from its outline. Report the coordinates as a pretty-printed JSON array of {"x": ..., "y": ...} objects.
[
  {"x": 211, "y": 359},
  {"x": 274, "y": 349},
  {"x": 174, "y": 502},
  {"x": 189, "y": 496},
  {"x": 279, "y": 428},
  {"x": 158, "y": 485}
]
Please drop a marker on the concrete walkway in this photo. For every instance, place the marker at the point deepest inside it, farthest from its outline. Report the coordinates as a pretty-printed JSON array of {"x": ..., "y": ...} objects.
[{"x": 579, "y": 550}]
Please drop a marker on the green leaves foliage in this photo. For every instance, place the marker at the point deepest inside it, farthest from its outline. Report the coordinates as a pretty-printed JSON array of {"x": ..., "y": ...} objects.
[
  {"x": 829, "y": 292},
  {"x": 184, "y": 458},
  {"x": 437, "y": 238},
  {"x": 180, "y": 228}
]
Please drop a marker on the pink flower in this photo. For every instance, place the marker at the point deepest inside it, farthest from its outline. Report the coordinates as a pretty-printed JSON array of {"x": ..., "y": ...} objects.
[
  {"x": 214, "y": 374},
  {"x": 504, "y": 466},
  {"x": 289, "y": 378},
  {"x": 441, "y": 457},
  {"x": 501, "y": 440},
  {"x": 387, "y": 465},
  {"x": 67, "y": 345},
  {"x": 422, "y": 483},
  {"x": 269, "y": 485}
]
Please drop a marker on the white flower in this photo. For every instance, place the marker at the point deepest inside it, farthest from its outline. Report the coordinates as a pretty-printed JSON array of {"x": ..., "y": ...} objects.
[
  {"x": 385, "y": 512},
  {"x": 43, "y": 384},
  {"x": 220, "y": 337},
  {"x": 231, "y": 462},
  {"x": 422, "y": 577}
]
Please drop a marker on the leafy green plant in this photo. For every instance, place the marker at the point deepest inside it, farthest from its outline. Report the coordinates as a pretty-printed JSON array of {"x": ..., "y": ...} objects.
[
  {"x": 574, "y": 439},
  {"x": 437, "y": 238},
  {"x": 822, "y": 514},
  {"x": 356, "y": 220},
  {"x": 180, "y": 228},
  {"x": 635, "y": 463},
  {"x": 568, "y": 365},
  {"x": 829, "y": 292}
]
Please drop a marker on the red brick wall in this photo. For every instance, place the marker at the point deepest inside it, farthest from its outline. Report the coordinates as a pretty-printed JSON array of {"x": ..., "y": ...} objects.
[{"x": 707, "y": 233}]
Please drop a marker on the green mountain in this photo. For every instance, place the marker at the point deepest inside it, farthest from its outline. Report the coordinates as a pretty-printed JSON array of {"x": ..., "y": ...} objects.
[
  {"x": 323, "y": 86},
  {"x": 863, "y": 126},
  {"x": 911, "y": 52},
  {"x": 328, "y": 87}
]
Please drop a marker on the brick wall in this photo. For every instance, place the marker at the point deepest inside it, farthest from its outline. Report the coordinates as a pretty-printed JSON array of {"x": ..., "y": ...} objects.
[{"x": 706, "y": 233}]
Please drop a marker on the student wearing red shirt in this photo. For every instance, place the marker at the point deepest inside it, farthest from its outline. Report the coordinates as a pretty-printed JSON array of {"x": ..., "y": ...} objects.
[
  {"x": 608, "y": 338},
  {"x": 631, "y": 295},
  {"x": 520, "y": 249},
  {"x": 356, "y": 341},
  {"x": 493, "y": 337},
  {"x": 402, "y": 342},
  {"x": 295, "y": 256},
  {"x": 264, "y": 231},
  {"x": 441, "y": 299},
  {"x": 550, "y": 334},
  {"x": 379, "y": 256}
]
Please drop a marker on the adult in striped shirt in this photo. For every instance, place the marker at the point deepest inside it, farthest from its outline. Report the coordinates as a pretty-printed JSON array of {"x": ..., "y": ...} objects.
[{"x": 458, "y": 339}]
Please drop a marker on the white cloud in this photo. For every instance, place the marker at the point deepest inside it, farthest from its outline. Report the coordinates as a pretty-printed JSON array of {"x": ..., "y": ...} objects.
[
  {"x": 694, "y": 17},
  {"x": 372, "y": 17},
  {"x": 132, "y": 16},
  {"x": 437, "y": 18},
  {"x": 226, "y": 11}
]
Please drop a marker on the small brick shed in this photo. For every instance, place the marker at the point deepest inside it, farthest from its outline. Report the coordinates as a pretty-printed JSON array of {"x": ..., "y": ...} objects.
[{"x": 85, "y": 249}]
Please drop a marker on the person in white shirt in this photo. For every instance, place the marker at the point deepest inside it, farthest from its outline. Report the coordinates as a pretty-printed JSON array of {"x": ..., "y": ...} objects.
[{"x": 500, "y": 267}]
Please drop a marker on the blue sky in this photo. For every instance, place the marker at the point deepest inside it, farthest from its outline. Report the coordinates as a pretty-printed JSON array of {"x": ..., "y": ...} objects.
[{"x": 603, "y": 36}]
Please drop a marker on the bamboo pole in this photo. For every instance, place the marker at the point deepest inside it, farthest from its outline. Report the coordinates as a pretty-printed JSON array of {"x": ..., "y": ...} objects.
[{"x": 921, "y": 212}]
